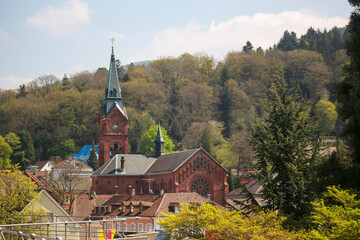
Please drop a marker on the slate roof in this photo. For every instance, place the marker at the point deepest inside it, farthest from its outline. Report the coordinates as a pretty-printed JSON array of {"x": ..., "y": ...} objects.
[
  {"x": 170, "y": 162},
  {"x": 113, "y": 91},
  {"x": 135, "y": 164}
]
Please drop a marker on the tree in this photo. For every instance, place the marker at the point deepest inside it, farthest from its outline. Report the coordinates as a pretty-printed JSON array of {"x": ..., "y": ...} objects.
[
  {"x": 285, "y": 147},
  {"x": 64, "y": 148},
  {"x": 17, "y": 190},
  {"x": 147, "y": 145},
  {"x": 326, "y": 116},
  {"x": 18, "y": 156},
  {"x": 248, "y": 48},
  {"x": 206, "y": 221},
  {"x": 5, "y": 153},
  {"x": 27, "y": 146},
  {"x": 348, "y": 91},
  {"x": 66, "y": 183},
  {"x": 93, "y": 159},
  {"x": 288, "y": 42},
  {"x": 336, "y": 215}
]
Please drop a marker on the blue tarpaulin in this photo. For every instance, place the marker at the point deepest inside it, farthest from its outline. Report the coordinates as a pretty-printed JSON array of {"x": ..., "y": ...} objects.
[{"x": 84, "y": 153}]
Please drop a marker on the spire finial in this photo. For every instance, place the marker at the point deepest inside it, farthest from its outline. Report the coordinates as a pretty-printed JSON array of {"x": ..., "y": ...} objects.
[{"x": 112, "y": 42}]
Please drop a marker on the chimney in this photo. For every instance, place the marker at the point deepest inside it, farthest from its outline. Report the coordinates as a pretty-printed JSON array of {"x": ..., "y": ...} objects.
[
  {"x": 132, "y": 192},
  {"x": 122, "y": 163}
]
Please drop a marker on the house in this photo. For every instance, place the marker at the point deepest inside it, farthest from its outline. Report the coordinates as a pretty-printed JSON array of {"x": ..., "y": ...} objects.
[
  {"x": 41, "y": 169},
  {"x": 55, "y": 213},
  {"x": 148, "y": 207},
  {"x": 41, "y": 166},
  {"x": 119, "y": 172},
  {"x": 239, "y": 198}
]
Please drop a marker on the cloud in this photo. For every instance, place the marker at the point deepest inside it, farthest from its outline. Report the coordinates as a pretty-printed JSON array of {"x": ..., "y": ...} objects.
[
  {"x": 63, "y": 20},
  {"x": 4, "y": 34},
  {"x": 218, "y": 38},
  {"x": 13, "y": 82}
]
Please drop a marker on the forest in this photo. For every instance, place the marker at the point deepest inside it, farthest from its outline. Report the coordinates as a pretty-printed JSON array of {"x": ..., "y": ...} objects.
[{"x": 199, "y": 100}]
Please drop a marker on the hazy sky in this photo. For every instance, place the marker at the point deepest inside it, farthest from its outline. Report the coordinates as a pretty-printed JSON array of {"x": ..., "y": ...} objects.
[{"x": 55, "y": 37}]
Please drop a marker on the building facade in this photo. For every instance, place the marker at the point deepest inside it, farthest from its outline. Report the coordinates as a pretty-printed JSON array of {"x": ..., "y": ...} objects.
[{"x": 119, "y": 172}]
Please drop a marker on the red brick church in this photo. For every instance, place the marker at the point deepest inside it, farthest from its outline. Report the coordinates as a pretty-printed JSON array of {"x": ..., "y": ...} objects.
[{"x": 186, "y": 171}]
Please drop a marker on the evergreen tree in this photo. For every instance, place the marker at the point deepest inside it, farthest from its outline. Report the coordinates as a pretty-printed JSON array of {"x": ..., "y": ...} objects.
[
  {"x": 27, "y": 146},
  {"x": 284, "y": 145},
  {"x": 348, "y": 91},
  {"x": 93, "y": 159},
  {"x": 288, "y": 42}
]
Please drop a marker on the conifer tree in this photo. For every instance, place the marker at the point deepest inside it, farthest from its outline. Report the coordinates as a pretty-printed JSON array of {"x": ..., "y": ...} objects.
[
  {"x": 93, "y": 159},
  {"x": 348, "y": 91},
  {"x": 284, "y": 145}
]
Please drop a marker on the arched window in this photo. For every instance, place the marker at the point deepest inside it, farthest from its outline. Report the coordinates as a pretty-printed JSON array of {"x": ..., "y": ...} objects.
[{"x": 111, "y": 152}]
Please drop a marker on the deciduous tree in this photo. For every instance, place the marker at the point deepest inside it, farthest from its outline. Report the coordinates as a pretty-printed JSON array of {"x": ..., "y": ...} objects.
[{"x": 147, "y": 145}]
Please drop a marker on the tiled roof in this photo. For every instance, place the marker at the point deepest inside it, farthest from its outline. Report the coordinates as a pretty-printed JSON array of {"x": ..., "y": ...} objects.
[
  {"x": 170, "y": 162},
  {"x": 84, "y": 204},
  {"x": 35, "y": 179},
  {"x": 135, "y": 164},
  {"x": 180, "y": 198},
  {"x": 253, "y": 187},
  {"x": 40, "y": 164}
]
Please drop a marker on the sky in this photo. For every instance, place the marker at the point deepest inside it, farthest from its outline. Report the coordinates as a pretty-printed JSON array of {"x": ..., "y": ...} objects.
[{"x": 42, "y": 37}]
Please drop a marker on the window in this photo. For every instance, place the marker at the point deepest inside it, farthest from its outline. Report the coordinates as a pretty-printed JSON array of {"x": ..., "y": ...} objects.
[
  {"x": 193, "y": 165},
  {"x": 173, "y": 207},
  {"x": 201, "y": 186}
]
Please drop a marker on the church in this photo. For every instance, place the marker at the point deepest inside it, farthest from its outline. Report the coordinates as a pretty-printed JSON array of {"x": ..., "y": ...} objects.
[{"x": 121, "y": 173}]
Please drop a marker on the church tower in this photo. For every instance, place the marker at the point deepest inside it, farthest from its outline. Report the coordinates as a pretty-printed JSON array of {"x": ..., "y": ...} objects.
[{"x": 113, "y": 132}]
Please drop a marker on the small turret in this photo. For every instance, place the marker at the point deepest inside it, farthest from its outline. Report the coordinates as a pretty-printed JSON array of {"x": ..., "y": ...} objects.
[{"x": 159, "y": 143}]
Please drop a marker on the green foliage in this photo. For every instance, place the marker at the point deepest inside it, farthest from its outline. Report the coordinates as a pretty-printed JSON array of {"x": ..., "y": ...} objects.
[
  {"x": 27, "y": 146},
  {"x": 326, "y": 116},
  {"x": 285, "y": 147},
  {"x": 64, "y": 149},
  {"x": 23, "y": 150},
  {"x": 147, "y": 145},
  {"x": 336, "y": 216},
  {"x": 5, "y": 153},
  {"x": 193, "y": 221},
  {"x": 17, "y": 190},
  {"x": 93, "y": 159},
  {"x": 348, "y": 91}
]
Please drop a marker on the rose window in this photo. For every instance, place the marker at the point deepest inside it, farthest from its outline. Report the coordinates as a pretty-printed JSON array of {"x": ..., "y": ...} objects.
[{"x": 200, "y": 186}]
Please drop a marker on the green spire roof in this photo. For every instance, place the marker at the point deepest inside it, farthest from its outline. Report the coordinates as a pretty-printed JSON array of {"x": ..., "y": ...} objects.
[
  {"x": 113, "y": 92},
  {"x": 113, "y": 87},
  {"x": 159, "y": 137}
]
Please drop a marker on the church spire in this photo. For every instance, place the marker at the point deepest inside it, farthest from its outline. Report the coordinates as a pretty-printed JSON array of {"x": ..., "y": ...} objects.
[
  {"x": 159, "y": 143},
  {"x": 112, "y": 87},
  {"x": 112, "y": 90}
]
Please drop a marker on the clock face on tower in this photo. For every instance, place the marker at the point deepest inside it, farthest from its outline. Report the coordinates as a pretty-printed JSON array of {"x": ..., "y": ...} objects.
[{"x": 115, "y": 127}]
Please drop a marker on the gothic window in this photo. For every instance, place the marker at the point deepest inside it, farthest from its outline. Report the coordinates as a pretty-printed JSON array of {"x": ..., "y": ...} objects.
[
  {"x": 116, "y": 148},
  {"x": 111, "y": 152},
  {"x": 197, "y": 162},
  {"x": 200, "y": 186},
  {"x": 193, "y": 165}
]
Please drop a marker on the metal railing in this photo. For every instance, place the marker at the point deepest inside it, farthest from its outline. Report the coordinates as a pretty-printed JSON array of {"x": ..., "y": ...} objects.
[{"x": 105, "y": 228}]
